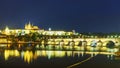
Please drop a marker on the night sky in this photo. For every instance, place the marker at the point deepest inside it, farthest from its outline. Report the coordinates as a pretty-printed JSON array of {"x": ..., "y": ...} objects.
[{"x": 68, "y": 15}]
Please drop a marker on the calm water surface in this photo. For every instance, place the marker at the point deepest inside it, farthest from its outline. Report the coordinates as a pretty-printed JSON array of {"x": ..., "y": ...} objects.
[{"x": 57, "y": 59}]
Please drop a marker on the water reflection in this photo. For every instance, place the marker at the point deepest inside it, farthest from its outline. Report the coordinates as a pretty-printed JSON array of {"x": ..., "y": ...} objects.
[
  {"x": 9, "y": 53},
  {"x": 28, "y": 56}
]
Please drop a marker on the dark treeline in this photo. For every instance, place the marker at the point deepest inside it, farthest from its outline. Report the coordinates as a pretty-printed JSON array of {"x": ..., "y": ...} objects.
[{"x": 101, "y": 35}]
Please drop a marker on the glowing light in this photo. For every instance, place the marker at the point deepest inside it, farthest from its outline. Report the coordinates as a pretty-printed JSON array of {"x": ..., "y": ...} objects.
[
  {"x": 59, "y": 53},
  {"x": 49, "y": 29},
  {"x": 6, "y": 54},
  {"x": 28, "y": 56},
  {"x": 9, "y": 53},
  {"x": 7, "y": 31}
]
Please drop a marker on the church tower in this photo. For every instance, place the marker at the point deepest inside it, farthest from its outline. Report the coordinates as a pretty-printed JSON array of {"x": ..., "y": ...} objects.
[{"x": 28, "y": 26}]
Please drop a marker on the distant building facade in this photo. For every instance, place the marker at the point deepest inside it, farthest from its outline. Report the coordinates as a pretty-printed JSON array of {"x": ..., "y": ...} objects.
[{"x": 29, "y": 28}]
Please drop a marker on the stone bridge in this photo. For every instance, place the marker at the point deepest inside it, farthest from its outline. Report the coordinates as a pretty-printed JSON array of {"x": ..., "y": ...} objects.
[
  {"x": 76, "y": 41},
  {"x": 87, "y": 41}
]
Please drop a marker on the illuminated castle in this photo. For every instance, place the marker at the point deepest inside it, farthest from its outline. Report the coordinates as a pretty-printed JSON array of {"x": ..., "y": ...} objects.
[{"x": 31, "y": 28}]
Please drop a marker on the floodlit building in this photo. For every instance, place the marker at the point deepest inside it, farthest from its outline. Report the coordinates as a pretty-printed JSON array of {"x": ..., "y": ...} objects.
[{"x": 30, "y": 28}]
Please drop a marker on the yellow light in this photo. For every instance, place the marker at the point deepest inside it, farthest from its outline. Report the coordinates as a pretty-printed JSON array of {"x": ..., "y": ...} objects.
[
  {"x": 43, "y": 53},
  {"x": 59, "y": 53},
  {"x": 16, "y": 53},
  {"x": 7, "y": 31},
  {"x": 69, "y": 53},
  {"x": 50, "y": 54},
  {"x": 28, "y": 56},
  {"x": 27, "y": 31},
  {"x": 6, "y": 54}
]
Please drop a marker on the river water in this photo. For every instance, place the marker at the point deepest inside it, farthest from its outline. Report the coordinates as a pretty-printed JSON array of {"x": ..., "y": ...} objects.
[
  {"x": 91, "y": 57},
  {"x": 57, "y": 59}
]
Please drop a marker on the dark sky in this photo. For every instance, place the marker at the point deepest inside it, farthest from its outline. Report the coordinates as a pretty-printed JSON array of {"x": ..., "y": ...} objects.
[{"x": 79, "y": 15}]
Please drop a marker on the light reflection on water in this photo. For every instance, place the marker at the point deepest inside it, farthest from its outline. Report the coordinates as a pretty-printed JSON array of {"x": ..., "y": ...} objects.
[{"x": 28, "y": 56}]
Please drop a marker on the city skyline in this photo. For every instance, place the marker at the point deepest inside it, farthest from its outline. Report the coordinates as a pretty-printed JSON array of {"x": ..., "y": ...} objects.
[
  {"x": 82, "y": 16},
  {"x": 59, "y": 33}
]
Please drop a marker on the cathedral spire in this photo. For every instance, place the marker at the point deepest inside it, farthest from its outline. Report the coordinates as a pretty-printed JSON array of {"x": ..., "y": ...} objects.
[{"x": 29, "y": 23}]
